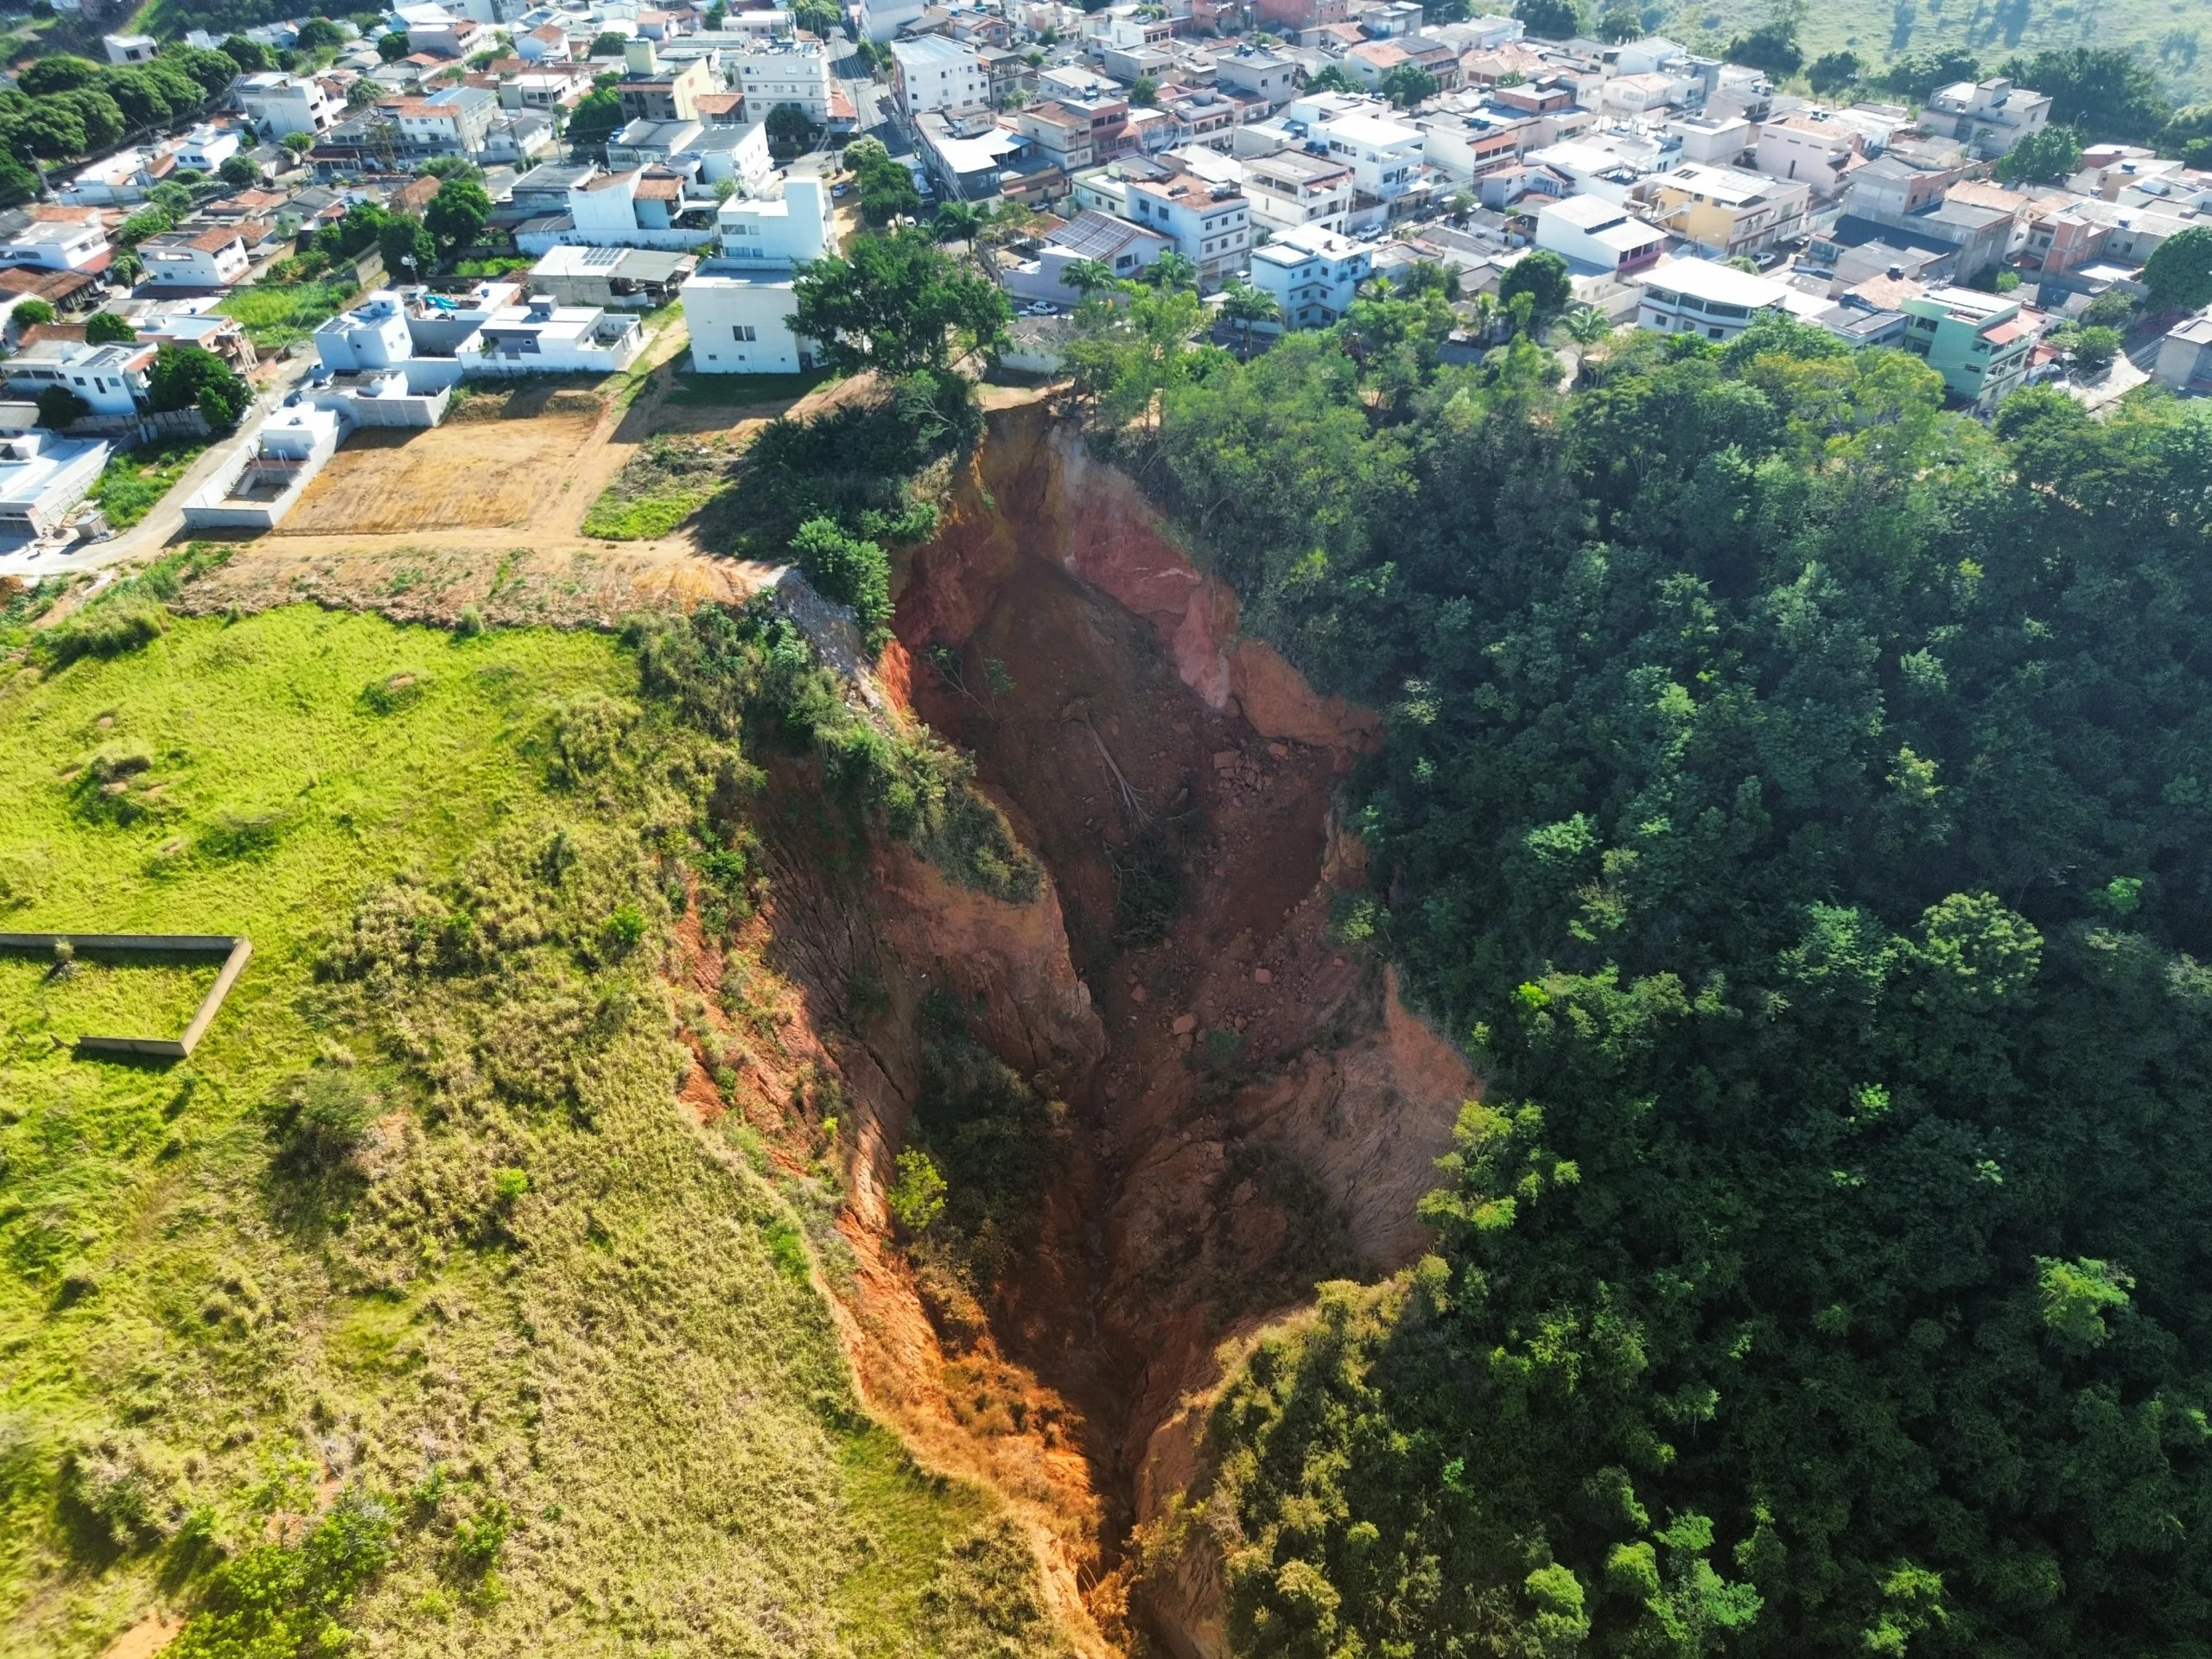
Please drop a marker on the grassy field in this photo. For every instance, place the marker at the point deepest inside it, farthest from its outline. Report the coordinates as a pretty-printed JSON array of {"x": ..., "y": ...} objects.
[
  {"x": 689, "y": 388},
  {"x": 664, "y": 483},
  {"x": 135, "y": 481},
  {"x": 2174, "y": 36},
  {"x": 416, "y": 1259},
  {"x": 278, "y": 314}
]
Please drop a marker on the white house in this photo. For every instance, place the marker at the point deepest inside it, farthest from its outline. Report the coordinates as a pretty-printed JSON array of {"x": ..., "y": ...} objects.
[
  {"x": 1313, "y": 273},
  {"x": 1293, "y": 187},
  {"x": 787, "y": 230},
  {"x": 131, "y": 48},
  {"x": 207, "y": 147},
  {"x": 1698, "y": 296},
  {"x": 1124, "y": 249},
  {"x": 881, "y": 19},
  {"x": 1384, "y": 156},
  {"x": 933, "y": 72},
  {"x": 281, "y": 105},
  {"x": 542, "y": 338},
  {"x": 372, "y": 336},
  {"x": 58, "y": 243},
  {"x": 1809, "y": 147},
  {"x": 1989, "y": 116},
  {"x": 1598, "y": 235},
  {"x": 1209, "y": 223},
  {"x": 214, "y": 257},
  {"x": 739, "y": 306},
  {"x": 42, "y": 476},
  {"x": 111, "y": 378}
]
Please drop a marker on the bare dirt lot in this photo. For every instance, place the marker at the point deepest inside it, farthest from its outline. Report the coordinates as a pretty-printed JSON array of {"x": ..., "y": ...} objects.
[{"x": 486, "y": 472}]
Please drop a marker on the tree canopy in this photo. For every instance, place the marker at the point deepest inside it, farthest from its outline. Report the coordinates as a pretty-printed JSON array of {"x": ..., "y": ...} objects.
[
  {"x": 898, "y": 303},
  {"x": 2180, "y": 272},
  {"x": 1796, "y": 799}
]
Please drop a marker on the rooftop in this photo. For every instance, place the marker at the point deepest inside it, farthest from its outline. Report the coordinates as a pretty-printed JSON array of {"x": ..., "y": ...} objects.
[{"x": 1703, "y": 279}]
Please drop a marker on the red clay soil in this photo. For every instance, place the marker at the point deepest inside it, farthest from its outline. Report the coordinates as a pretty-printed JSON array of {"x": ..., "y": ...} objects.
[{"x": 1265, "y": 1113}]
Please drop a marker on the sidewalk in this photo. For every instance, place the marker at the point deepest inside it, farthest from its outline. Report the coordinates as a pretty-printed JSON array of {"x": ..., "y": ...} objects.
[{"x": 146, "y": 539}]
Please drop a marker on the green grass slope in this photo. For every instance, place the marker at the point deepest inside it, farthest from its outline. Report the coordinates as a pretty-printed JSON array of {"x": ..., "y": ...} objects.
[{"x": 411, "y": 1305}]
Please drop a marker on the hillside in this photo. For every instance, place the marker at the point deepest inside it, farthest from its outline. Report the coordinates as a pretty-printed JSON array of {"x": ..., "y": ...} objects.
[{"x": 416, "y": 1303}]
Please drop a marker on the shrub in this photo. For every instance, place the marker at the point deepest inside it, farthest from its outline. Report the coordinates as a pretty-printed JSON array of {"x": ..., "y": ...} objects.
[
  {"x": 917, "y": 1196},
  {"x": 126, "y": 1486},
  {"x": 274, "y": 1601},
  {"x": 848, "y": 571},
  {"x": 324, "y": 1118},
  {"x": 31, "y": 313},
  {"x": 477, "y": 1541}
]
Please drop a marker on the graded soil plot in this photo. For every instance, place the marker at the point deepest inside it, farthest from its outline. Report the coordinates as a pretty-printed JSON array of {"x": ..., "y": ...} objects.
[{"x": 467, "y": 474}]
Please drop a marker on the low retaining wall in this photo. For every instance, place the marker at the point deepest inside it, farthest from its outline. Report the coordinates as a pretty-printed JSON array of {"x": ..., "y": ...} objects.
[{"x": 236, "y": 949}]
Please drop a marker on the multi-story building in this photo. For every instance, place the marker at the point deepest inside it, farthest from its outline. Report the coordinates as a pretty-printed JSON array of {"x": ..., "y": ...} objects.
[
  {"x": 650, "y": 90},
  {"x": 1977, "y": 342},
  {"x": 1294, "y": 187},
  {"x": 1058, "y": 132},
  {"x": 453, "y": 121},
  {"x": 1809, "y": 147},
  {"x": 283, "y": 104},
  {"x": 1312, "y": 274},
  {"x": 738, "y": 307},
  {"x": 1726, "y": 212},
  {"x": 1599, "y": 236},
  {"x": 1209, "y": 225},
  {"x": 773, "y": 71},
  {"x": 207, "y": 147},
  {"x": 1090, "y": 238},
  {"x": 882, "y": 19},
  {"x": 1258, "y": 73},
  {"x": 1384, "y": 156},
  {"x": 932, "y": 71},
  {"x": 1987, "y": 116},
  {"x": 1295, "y": 17},
  {"x": 1705, "y": 298}
]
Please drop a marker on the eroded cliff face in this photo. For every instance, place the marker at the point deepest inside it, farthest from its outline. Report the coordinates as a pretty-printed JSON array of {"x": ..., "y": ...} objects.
[{"x": 1256, "y": 1108}]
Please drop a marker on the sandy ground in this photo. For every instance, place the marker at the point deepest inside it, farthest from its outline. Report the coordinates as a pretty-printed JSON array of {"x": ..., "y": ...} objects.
[{"x": 488, "y": 511}]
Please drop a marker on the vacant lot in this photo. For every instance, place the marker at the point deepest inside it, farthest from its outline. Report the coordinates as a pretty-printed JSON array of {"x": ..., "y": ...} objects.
[{"x": 468, "y": 474}]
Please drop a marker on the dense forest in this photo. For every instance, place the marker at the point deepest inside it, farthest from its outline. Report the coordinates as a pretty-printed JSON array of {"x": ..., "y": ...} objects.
[{"x": 1799, "y": 799}]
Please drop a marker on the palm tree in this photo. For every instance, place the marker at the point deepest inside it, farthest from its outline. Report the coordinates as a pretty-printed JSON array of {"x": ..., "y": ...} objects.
[
  {"x": 1086, "y": 277},
  {"x": 1588, "y": 327},
  {"x": 1244, "y": 304},
  {"x": 956, "y": 221},
  {"x": 1173, "y": 271}
]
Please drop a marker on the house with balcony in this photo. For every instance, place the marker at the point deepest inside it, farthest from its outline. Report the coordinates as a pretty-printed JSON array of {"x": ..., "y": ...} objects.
[
  {"x": 773, "y": 71},
  {"x": 1385, "y": 159},
  {"x": 453, "y": 121},
  {"x": 110, "y": 379},
  {"x": 539, "y": 337},
  {"x": 1708, "y": 299},
  {"x": 58, "y": 238},
  {"x": 1726, "y": 212},
  {"x": 650, "y": 91},
  {"x": 1313, "y": 274},
  {"x": 1209, "y": 225},
  {"x": 1977, "y": 342},
  {"x": 1810, "y": 147}
]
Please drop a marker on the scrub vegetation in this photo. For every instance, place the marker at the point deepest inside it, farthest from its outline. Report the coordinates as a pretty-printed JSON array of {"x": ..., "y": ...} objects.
[{"x": 413, "y": 1311}]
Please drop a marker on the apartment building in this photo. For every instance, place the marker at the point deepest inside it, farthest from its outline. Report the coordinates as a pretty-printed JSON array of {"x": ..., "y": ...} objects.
[
  {"x": 1384, "y": 156},
  {"x": 738, "y": 307},
  {"x": 1726, "y": 212},
  {"x": 453, "y": 121},
  {"x": 932, "y": 71},
  {"x": 1209, "y": 225},
  {"x": 651, "y": 91},
  {"x": 1060, "y": 133},
  {"x": 769, "y": 72}
]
